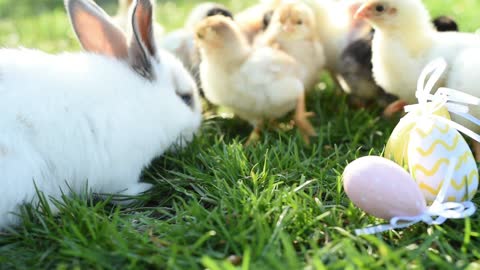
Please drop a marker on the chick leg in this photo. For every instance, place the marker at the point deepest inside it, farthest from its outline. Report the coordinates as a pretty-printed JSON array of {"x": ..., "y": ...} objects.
[
  {"x": 273, "y": 124},
  {"x": 301, "y": 120},
  {"x": 476, "y": 149},
  {"x": 255, "y": 135},
  {"x": 394, "y": 108}
]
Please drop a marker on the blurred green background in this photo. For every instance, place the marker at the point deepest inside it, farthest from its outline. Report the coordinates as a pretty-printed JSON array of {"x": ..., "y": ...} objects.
[
  {"x": 42, "y": 23},
  {"x": 282, "y": 217}
]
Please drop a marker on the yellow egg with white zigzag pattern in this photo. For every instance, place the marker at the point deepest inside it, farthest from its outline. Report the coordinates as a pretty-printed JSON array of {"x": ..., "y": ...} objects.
[{"x": 431, "y": 147}]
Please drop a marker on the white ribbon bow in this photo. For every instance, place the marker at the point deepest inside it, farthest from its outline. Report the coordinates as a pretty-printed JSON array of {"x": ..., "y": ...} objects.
[{"x": 456, "y": 102}]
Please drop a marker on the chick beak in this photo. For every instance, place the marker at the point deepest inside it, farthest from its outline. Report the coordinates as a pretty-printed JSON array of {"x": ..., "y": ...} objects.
[
  {"x": 352, "y": 9},
  {"x": 201, "y": 33},
  {"x": 364, "y": 12},
  {"x": 288, "y": 28}
]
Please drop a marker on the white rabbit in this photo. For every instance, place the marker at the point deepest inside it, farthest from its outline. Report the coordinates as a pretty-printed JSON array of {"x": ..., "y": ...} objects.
[{"x": 97, "y": 117}]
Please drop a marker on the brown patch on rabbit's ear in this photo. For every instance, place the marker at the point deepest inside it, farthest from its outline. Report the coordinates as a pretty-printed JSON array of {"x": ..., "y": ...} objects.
[
  {"x": 142, "y": 22},
  {"x": 94, "y": 29},
  {"x": 143, "y": 48}
]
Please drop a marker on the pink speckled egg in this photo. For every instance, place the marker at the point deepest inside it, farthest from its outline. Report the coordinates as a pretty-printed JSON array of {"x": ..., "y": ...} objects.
[{"x": 383, "y": 189}]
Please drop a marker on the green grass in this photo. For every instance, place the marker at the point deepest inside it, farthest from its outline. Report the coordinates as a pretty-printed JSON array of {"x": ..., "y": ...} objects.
[{"x": 220, "y": 205}]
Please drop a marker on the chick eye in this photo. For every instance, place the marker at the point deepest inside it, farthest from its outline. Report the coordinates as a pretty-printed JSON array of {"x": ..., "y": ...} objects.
[
  {"x": 380, "y": 8},
  {"x": 299, "y": 22}
]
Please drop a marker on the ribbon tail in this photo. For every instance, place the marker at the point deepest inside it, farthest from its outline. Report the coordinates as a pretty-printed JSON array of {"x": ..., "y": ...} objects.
[
  {"x": 384, "y": 228},
  {"x": 458, "y": 96},
  {"x": 374, "y": 230},
  {"x": 449, "y": 210},
  {"x": 458, "y": 127},
  {"x": 470, "y": 209},
  {"x": 457, "y": 108},
  {"x": 439, "y": 221},
  {"x": 442, "y": 195},
  {"x": 469, "y": 117},
  {"x": 395, "y": 223},
  {"x": 467, "y": 210}
]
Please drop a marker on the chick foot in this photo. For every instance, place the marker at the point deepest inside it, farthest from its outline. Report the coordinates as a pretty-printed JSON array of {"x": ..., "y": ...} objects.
[
  {"x": 255, "y": 135},
  {"x": 301, "y": 120},
  {"x": 394, "y": 108}
]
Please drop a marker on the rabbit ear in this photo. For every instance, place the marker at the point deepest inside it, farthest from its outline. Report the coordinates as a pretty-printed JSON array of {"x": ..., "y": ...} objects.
[
  {"x": 143, "y": 48},
  {"x": 94, "y": 29}
]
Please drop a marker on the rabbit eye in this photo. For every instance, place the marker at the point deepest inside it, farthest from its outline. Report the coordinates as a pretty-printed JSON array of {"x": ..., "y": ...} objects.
[{"x": 187, "y": 99}]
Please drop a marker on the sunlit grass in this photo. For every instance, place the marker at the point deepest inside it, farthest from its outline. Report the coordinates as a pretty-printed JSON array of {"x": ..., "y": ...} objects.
[{"x": 216, "y": 204}]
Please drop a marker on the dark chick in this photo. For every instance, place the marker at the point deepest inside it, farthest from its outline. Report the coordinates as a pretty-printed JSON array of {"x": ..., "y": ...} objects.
[
  {"x": 356, "y": 66},
  {"x": 445, "y": 24},
  {"x": 181, "y": 42},
  {"x": 357, "y": 77},
  {"x": 220, "y": 11},
  {"x": 267, "y": 18}
]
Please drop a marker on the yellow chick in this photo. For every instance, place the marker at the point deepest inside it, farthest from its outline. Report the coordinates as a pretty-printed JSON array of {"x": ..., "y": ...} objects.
[
  {"x": 258, "y": 84},
  {"x": 292, "y": 29},
  {"x": 251, "y": 19},
  {"x": 181, "y": 42}
]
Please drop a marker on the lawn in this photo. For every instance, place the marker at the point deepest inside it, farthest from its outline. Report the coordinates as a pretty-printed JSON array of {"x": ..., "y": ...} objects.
[{"x": 220, "y": 205}]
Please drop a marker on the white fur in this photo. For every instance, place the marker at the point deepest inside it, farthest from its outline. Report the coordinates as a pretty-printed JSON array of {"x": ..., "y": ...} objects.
[{"x": 78, "y": 118}]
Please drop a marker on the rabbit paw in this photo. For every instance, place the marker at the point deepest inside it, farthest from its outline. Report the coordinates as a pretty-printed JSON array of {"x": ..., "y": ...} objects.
[
  {"x": 137, "y": 189},
  {"x": 132, "y": 191}
]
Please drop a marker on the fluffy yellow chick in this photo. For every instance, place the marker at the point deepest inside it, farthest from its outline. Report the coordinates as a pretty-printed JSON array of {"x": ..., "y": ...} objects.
[
  {"x": 250, "y": 20},
  {"x": 292, "y": 29},
  {"x": 405, "y": 42},
  {"x": 257, "y": 84},
  {"x": 335, "y": 23}
]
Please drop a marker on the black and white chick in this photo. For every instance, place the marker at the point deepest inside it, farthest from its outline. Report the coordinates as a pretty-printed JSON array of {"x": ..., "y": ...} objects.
[
  {"x": 181, "y": 42},
  {"x": 356, "y": 70}
]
